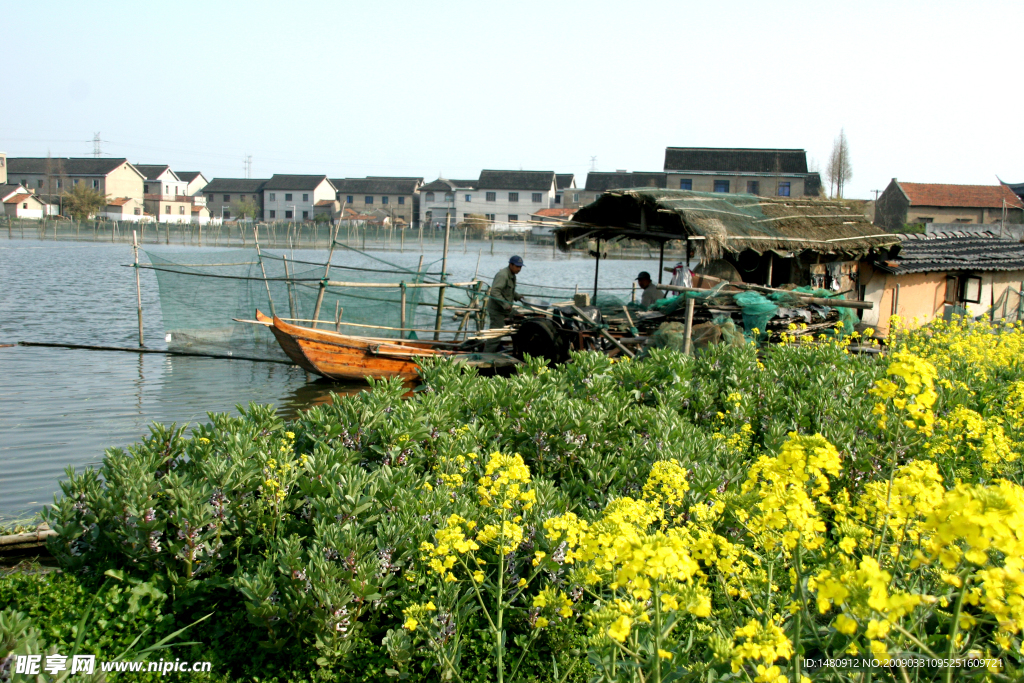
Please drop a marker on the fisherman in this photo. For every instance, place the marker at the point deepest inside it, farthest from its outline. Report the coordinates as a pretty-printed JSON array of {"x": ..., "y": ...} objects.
[
  {"x": 499, "y": 303},
  {"x": 651, "y": 293}
]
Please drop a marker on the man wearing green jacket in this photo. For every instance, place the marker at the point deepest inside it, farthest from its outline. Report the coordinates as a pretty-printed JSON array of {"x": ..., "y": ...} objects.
[{"x": 499, "y": 303}]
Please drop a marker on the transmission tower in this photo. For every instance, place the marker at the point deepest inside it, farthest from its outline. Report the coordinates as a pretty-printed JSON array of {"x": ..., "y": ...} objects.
[
  {"x": 593, "y": 163},
  {"x": 96, "y": 145},
  {"x": 248, "y": 165}
]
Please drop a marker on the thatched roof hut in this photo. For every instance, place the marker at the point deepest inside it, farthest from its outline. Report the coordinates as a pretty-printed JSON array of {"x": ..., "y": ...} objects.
[{"x": 726, "y": 222}]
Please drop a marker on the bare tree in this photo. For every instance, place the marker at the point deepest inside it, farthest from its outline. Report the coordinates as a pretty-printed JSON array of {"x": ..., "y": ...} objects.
[{"x": 839, "y": 169}]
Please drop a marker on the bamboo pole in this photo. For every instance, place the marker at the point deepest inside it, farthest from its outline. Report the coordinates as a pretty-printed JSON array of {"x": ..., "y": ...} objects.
[
  {"x": 138, "y": 285},
  {"x": 288, "y": 286},
  {"x": 259, "y": 256},
  {"x": 444, "y": 277},
  {"x": 688, "y": 331},
  {"x": 403, "y": 306},
  {"x": 597, "y": 267},
  {"x": 327, "y": 271},
  {"x": 661, "y": 262},
  {"x": 337, "y": 316},
  {"x": 833, "y": 303}
]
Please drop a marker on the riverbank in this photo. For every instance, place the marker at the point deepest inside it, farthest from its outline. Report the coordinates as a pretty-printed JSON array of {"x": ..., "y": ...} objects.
[{"x": 666, "y": 514}]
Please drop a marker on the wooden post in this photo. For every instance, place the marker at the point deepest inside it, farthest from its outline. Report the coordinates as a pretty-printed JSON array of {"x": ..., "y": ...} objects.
[
  {"x": 138, "y": 285},
  {"x": 444, "y": 277},
  {"x": 259, "y": 257},
  {"x": 597, "y": 267},
  {"x": 661, "y": 262},
  {"x": 688, "y": 331},
  {"x": 402, "y": 333},
  {"x": 327, "y": 271},
  {"x": 771, "y": 263},
  {"x": 337, "y": 316},
  {"x": 632, "y": 296}
]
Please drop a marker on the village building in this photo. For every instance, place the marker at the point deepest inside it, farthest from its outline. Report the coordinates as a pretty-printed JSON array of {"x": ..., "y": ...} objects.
[
  {"x": 126, "y": 209},
  {"x": 292, "y": 197},
  {"x": 602, "y": 181},
  {"x": 20, "y": 203},
  {"x": 933, "y": 275},
  {"x": 447, "y": 197},
  {"x": 763, "y": 172},
  {"x": 508, "y": 198},
  {"x": 564, "y": 182},
  {"x": 166, "y": 199},
  {"x": 914, "y": 203},
  {"x": 52, "y": 176},
  {"x": 399, "y": 197},
  {"x": 223, "y": 196},
  {"x": 194, "y": 181},
  {"x": 3, "y": 168}
]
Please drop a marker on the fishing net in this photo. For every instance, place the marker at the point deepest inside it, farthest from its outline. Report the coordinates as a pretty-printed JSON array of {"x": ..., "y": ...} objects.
[
  {"x": 203, "y": 292},
  {"x": 1008, "y": 308},
  {"x": 720, "y": 330}
]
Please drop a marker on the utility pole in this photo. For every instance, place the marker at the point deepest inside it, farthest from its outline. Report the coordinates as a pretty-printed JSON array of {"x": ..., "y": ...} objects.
[{"x": 877, "y": 192}]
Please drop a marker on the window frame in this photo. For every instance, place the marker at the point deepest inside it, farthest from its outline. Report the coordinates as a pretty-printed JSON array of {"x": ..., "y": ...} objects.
[
  {"x": 491, "y": 197},
  {"x": 513, "y": 197},
  {"x": 784, "y": 184},
  {"x": 688, "y": 182},
  {"x": 273, "y": 196},
  {"x": 401, "y": 201},
  {"x": 722, "y": 184},
  {"x": 965, "y": 284},
  {"x": 288, "y": 214},
  {"x": 305, "y": 196},
  {"x": 368, "y": 200},
  {"x": 273, "y": 213},
  {"x": 754, "y": 187},
  {"x": 288, "y": 196},
  {"x": 513, "y": 218},
  {"x": 537, "y": 197}
]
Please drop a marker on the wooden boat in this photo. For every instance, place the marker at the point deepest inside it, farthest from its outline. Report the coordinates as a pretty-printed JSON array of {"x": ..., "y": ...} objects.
[{"x": 344, "y": 357}]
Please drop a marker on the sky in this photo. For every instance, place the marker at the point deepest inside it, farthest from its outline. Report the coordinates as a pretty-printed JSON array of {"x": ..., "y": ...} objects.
[{"x": 925, "y": 91}]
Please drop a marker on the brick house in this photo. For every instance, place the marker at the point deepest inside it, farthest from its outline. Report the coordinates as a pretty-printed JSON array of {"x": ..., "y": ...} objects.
[
  {"x": 397, "y": 196},
  {"x": 910, "y": 203},
  {"x": 765, "y": 172}
]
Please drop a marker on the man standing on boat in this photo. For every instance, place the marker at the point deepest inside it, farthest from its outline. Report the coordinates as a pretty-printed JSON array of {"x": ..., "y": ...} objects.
[
  {"x": 651, "y": 293},
  {"x": 499, "y": 302}
]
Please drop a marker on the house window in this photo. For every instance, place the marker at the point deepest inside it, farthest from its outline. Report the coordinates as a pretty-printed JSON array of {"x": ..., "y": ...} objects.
[
  {"x": 490, "y": 217},
  {"x": 536, "y": 198},
  {"x": 685, "y": 183},
  {"x": 401, "y": 201},
  {"x": 721, "y": 186},
  {"x": 273, "y": 196},
  {"x": 273, "y": 214},
  {"x": 58, "y": 184},
  {"x": 227, "y": 198},
  {"x": 287, "y": 214},
  {"x": 305, "y": 197},
  {"x": 226, "y": 213},
  {"x": 181, "y": 210},
  {"x": 95, "y": 184},
  {"x": 972, "y": 289},
  {"x": 575, "y": 197},
  {"x": 753, "y": 187},
  {"x": 24, "y": 205},
  {"x": 952, "y": 289},
  {"x": 513, "y": 196},
  {"x": 513, "y": 217},
  {"x": 430, "y": 196},
  {"x": 783, "y": 189},
  {"x": 305, "y": 215},
  {"x": 449, "y": 196},
  {"x": 288, "y": 197},
  {"x": 136, "y": 211},
  {"x": 924, "y": 219},
  {"x": 348, "y": 199},
  {"x": 469, "y": 197},
  {"x": 368, "y": 200},
  {"x": 167, "y": 209},
  {"x": 39, "y": 183},
  {"x": 964, "y": 220},
  {"x": 492, "y": 196},
  {"x": 384, "y": 200},
  {"x": 558, "y": 199},
  {"x": 209, "y": 197}
]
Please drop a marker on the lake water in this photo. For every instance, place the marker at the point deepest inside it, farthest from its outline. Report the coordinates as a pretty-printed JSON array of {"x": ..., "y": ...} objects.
[{"x": 64, "y": 407}]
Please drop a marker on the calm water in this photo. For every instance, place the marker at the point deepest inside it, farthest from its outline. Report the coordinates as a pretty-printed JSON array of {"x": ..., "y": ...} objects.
[{"x": 64, "y": 407}]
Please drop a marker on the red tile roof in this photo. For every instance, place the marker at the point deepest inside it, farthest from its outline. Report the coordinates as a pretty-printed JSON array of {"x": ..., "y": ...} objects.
[
  {"x": 324, "y": 202},
  {"x": 119, "y": 201},
  {"x": 556, "y": 213},
  {"x": 966, "y": 196},
  {"x": 17, "y": 198}
]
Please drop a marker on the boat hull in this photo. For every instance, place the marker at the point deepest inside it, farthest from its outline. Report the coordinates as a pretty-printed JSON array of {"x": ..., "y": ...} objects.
[{"x": 345, "y": 358}]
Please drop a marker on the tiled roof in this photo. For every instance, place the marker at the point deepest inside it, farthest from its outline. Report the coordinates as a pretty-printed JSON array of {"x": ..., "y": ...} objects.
[
  {"x": 729, "y": 160},
  {"x": 69, "y": 166},
  {"x": 280, "y": 181},
  {"x": 14, "y": 199},
  {"x": 448, "y": 185},
  {"x": 325, "y": 202},
  {"x": 241, "y": 185},
  {"x": 564, "y": 180},
  {"x": 154, "y": 171},
  {"x": 188, "y": 176},
  {"x": 954, "y": 251},
  {"x": 601, "y": 181},
  {"x": 9, "y": 188},
  {"x": 536, "y": 181},
  {"x": 555, "y": 213},
  {"x": 960, "y": 196},
  {"x": 119, "y": 201},
  {"x": 376, "y": 185}
]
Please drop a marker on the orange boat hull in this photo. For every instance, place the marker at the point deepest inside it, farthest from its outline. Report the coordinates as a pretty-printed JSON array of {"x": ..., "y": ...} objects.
[{"x": 345, "y": 358}]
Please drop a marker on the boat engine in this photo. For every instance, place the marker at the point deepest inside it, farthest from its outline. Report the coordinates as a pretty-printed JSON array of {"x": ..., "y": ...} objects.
[{"x": 542, "y": 338}]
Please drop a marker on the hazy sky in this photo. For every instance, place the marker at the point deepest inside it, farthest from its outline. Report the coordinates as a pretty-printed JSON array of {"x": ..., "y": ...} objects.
[{"x": 926, "y": 91}]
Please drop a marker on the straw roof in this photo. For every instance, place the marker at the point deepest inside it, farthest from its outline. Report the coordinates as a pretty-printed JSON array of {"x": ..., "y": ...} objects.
[{"x": 726, "y": 222}]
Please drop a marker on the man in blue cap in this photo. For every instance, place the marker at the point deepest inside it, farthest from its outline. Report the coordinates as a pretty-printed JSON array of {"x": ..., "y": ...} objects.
[
  {"x": 502, "y": 294},
  {"x": 651, "y": 293}
]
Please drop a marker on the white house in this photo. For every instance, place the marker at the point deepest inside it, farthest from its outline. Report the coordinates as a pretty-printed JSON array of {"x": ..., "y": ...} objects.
[
  {"x": 20, "y": 203},
  {"x": 292, "y": 197},
  {"x": 508, "y": 198},
  {"x": 444, "y": 197},
  {"x": 194, "y": 181}
]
